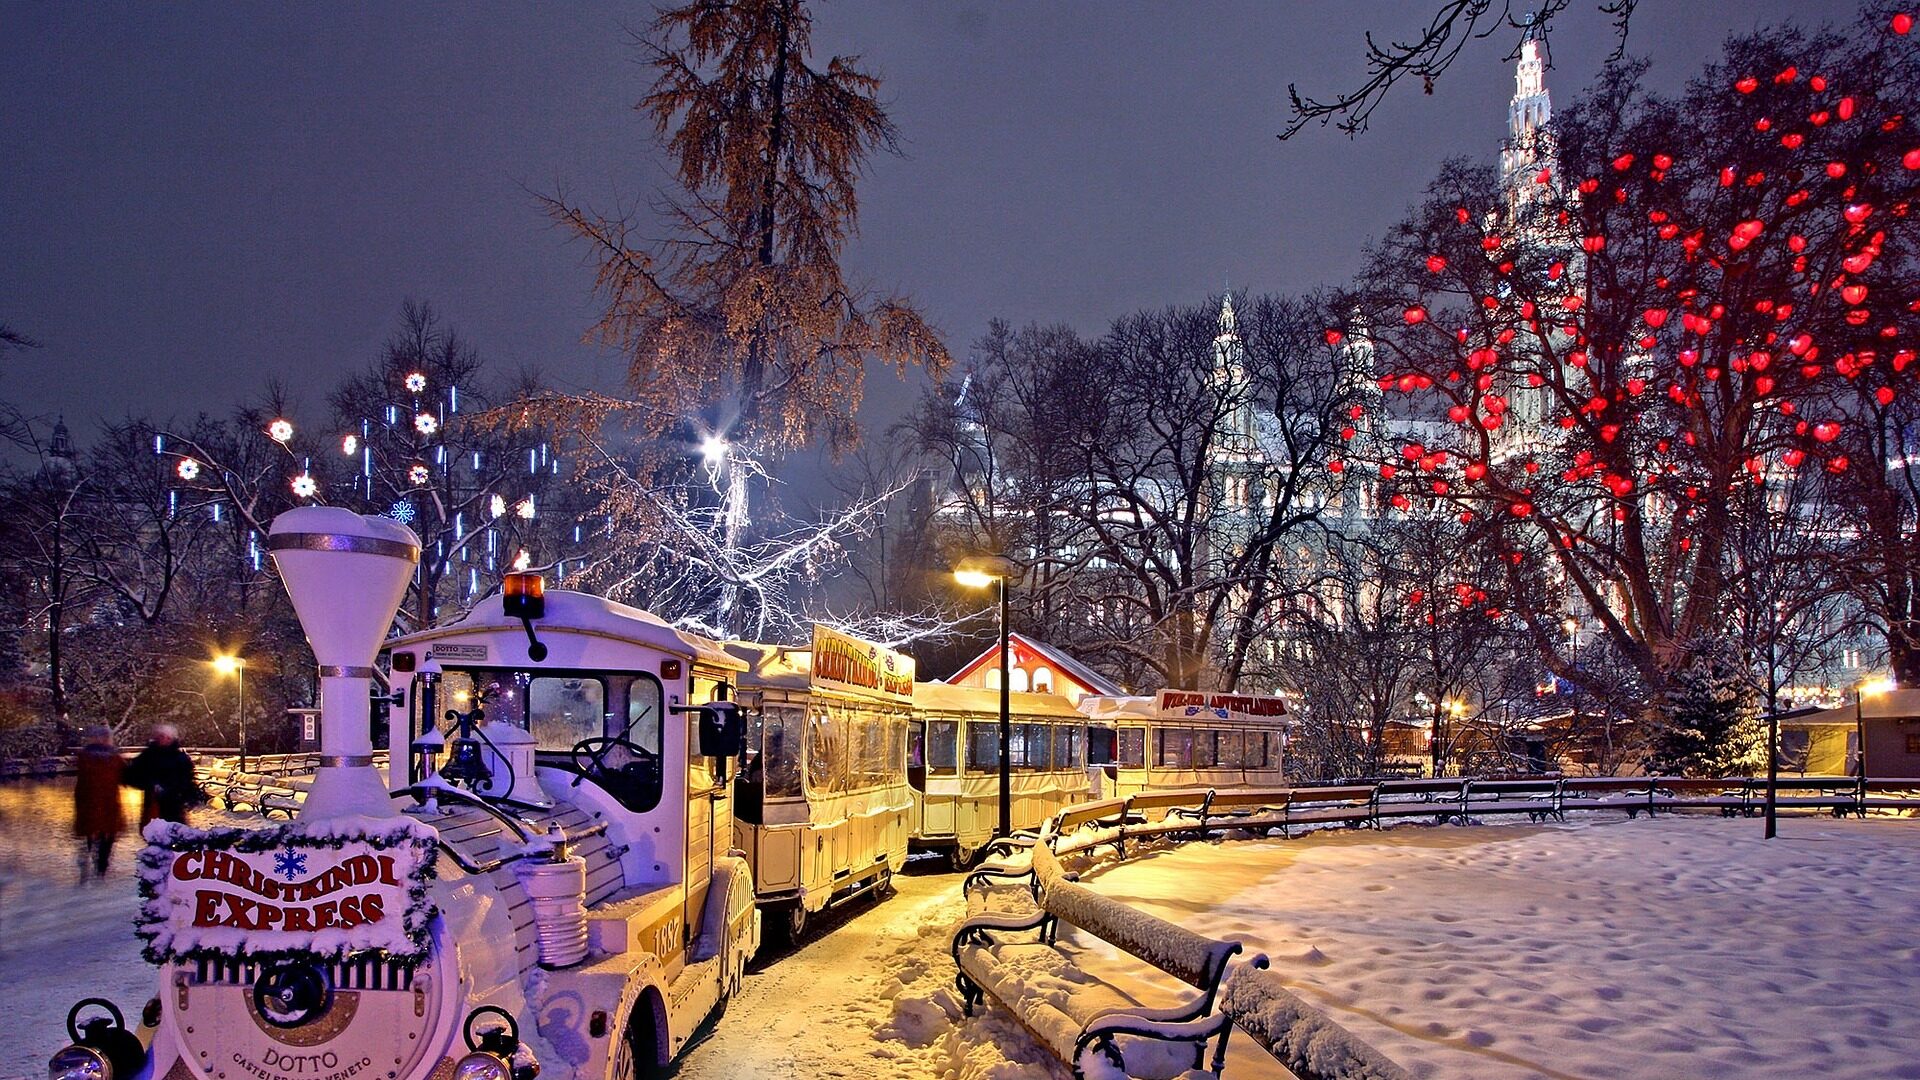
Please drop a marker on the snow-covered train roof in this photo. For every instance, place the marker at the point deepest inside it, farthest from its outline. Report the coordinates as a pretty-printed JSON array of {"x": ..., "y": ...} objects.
[
  {"x": 584, "y": 613},
  {"x": 945, "y": 697},
  {"x": 1111, "y": 708}
]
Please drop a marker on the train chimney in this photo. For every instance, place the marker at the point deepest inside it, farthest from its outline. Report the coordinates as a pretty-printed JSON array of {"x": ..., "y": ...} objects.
[{"x": 346, "y": 574}]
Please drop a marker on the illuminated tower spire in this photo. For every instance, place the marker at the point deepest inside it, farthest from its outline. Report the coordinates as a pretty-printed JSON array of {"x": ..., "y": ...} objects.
[{"x": 1527, "y": 147}]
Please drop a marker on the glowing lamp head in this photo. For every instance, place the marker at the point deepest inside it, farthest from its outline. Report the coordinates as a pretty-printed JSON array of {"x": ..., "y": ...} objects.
[
  {"x": 714, "y": 449},
  {"x": 1570, "y": 625},
  {"x": 974, "y": 579},
  {"x": 228, "y": 664},
  {"x": 280, "y": 431},
  {"x": 1876, "y": 687},
  {"x": 523, "y": 595}
]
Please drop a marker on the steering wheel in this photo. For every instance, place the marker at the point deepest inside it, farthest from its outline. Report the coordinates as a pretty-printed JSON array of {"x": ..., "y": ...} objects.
[{"x": 590, "y": 756}]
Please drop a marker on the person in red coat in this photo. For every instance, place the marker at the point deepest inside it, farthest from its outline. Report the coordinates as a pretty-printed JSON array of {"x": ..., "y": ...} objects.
[{"x": 97, "y": 817}]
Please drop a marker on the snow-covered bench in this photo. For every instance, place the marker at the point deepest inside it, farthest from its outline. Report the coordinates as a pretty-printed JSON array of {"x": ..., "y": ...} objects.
[
  {"x": 1294, "y": 1031},
  {"x": 1091, "y": 1025}
]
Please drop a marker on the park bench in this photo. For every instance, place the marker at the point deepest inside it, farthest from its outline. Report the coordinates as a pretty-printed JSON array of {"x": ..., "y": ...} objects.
[
  {"x": 1351, "y": 804},
  {"x": 1017, "y": 961},
  {"x": 1537, "y": 797},
  {"x": 1436, "y": 798},
  {"x": 1296, "y": 1032},
  {"x": 1630, "y": 793},
  {"x": 1892, "y": 793},
  {"x": 1243, "y": 808},
  {"x": 1838, "y": 794}
]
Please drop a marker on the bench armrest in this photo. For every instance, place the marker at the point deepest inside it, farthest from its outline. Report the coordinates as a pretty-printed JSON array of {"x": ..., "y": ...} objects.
[{"x": 1102, "y": 1030}]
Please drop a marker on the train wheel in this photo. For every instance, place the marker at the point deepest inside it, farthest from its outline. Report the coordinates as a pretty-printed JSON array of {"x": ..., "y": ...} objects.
[
  {"x": 884, "y": 887},
  {"x": 636, "y": 1056},
  {"x": 796, "y": 922}
]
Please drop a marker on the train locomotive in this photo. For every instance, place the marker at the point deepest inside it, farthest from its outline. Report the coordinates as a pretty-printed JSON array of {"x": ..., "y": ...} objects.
[{"x": 545, "y": 885}]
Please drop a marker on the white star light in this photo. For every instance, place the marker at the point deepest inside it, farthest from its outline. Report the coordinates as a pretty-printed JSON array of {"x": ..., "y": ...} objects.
[
  {"x": 426, "y": 423},
  {"x": 416, "y": 382},
  {"x": 418, "y": 475},
  {"x": 525, "y": 508},
  {"x": 522, "y": 560},
  {"x": 497, "y": 506},
  {"x": 280, "y": 431},
  {"x": 350, "y": 445},
  {"x": 304, "y": 486},
  {"x": 187, "y": 469}
]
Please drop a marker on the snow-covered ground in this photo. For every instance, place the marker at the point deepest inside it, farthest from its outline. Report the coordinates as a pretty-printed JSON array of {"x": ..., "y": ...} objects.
[
  {"x": 1685, "y": 946},
  {"x": 1678, "y": 947}
]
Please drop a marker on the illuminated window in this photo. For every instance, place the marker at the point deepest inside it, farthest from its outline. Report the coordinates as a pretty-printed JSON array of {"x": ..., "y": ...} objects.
[{"x": 1043, "y": 680}]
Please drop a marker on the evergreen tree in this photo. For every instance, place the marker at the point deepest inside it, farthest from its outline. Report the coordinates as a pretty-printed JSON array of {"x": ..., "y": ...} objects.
[{"x": 1712, "y": 720}]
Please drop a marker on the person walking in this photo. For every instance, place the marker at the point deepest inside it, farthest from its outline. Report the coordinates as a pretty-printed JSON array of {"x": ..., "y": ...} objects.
[
  {"x": 165, "y": 773},
  {"x": 97, "y": 817}
]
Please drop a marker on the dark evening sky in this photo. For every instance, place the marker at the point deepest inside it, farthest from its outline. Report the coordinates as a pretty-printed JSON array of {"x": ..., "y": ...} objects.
[{"x": 196, "y": 198}]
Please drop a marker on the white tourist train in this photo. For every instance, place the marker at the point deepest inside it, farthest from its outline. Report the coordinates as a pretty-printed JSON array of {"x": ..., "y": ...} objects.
[
  {"x": 564, "y": 873},
  {"x": 546, "y": 886}
]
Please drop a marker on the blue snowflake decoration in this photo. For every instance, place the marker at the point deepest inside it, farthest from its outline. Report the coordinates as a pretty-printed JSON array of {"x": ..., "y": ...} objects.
[
  {"x": 401, "y": 511},
  {"x": 290, "y": 863}
]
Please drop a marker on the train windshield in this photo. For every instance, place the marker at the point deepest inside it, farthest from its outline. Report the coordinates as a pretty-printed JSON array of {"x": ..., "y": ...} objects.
[{"x": 607, "y": 724}]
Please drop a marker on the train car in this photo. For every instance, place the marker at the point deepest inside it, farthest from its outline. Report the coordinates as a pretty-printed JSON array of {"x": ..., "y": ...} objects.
[
  {"x": 545, "y": 892},
  {"x": 1179, "y": 739},
  {"x": 953, "y": 764},
  {"x": 822, "y": 803}
]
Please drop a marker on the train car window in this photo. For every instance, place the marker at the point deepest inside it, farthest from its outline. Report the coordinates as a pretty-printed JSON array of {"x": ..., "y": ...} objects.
[
  {"x": 983, "y": 748},
  {"x": 1175, "y": 749},
  {"x": 645, "y": 715},
  {"x": 826, "y": 757},
  {"x": 699, "y": 766},
  {"x": 1232, "y": 750},
  {"x": 1100, "y": 746},
  {"x": 780, "y": 750},
  {"x": 897, "y": 746},
  {"x": 1066, "y": 747},
  {"x": 563, "y": 711},
  {"x": 1205, "y": 752},
  {"x": 1256, "y": 749},
  {"x": 943, "y": 748},
  {"x": 1040, "y": 745},
  {"x": 1132, "y": 748}
]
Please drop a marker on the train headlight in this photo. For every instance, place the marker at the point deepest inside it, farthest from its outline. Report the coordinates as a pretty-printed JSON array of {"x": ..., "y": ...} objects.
[
  {"x": 102, "y": 1047},
  {"x": 478, "y": 1065},
  {"x": 496, "y": 1053},
  {"x": 79, "y": 1063}
]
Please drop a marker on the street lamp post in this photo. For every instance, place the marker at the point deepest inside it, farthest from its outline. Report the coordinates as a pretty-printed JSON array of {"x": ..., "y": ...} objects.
[
  {"x": 1875, "y": 687},
  {"x": 237, "y": 667},
  {"x": 978, "y": 574}
]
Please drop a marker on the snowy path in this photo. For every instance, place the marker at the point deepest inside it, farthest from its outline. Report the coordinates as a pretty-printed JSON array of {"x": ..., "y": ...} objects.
[
  {"x": 1677, "y": 947},
  {"x": 59, "y": 941}
]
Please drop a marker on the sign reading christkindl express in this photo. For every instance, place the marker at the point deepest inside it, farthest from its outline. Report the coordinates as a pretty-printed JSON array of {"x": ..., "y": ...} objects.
[
  {"x": 843, "y": 661},
  {"x": 1190, "y": 704},
  {"x": 240, "y": 892}
]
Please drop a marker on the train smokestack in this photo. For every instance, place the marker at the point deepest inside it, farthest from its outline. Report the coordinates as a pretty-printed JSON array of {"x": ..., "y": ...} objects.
[{"x": 346, "y": 574}]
